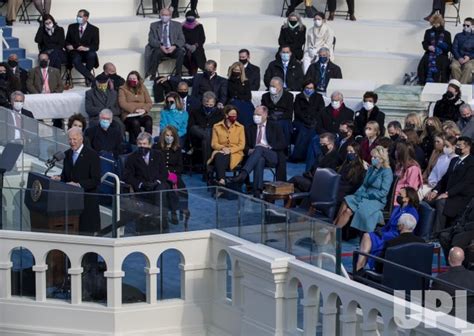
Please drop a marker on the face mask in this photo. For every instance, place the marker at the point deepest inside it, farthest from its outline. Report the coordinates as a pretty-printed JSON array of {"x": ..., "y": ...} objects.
[
  {"x": 165, "y": 18},
  {"x": 273, "y": 90},
  {"x": 458, "y": 151},
  {"x": 449, "y": 95},
  {"x": 467, "y": 30},
  {"x": 143, "y": 151},
  {"x": 323, "y": 59},
  {"x": 12, "y": 63},
  {"x": 105, "y": 124},
  {"x": 466, "y": 119},
  {"x": 308, "y": 92},
  {"x": 208, "y": 109},
  {"x": 257, "y": 119},
  {"x": 3, "y": 76},
  {"x": 293, "y": 24},
  {"x": 43, "y": 63},
  {"x": 50, "y": 26},
  {"x": 79, "y": 20},
  {"x": 102, "y": 88},
  {"x": 208, "y": 73},
  {"x": 394, "y": 137},
  {"x": 183, "y": 94},
  {"x": 368, "y": 106},
  {"x": 335, "y": 104},
  {"x": 375, "y": 161},
  {"x": 324, "y": 149},
  {"x": 343, "y": 134},
  {"x": 243, "y": 61},
  {"x": 232, "y": 119},
  {"x": 285, "y": 57},
  {"x": 350, "y": 157},
  {"x": 400, "y": 200},
  {"x": 190, "y": 19},
  {"x": 318, "y": 23},
  {"x": 132, "y": 83},
  {"x": 409, "y": 126},
  {"x": 447, "y": 151},
  {"x": 169, "y": 139},
  {"x": 430, "y": 129},
  {"x": 171, "y": 106},
  {"x": 17, "y": 106},
  {"x": 235, "y": 74}
]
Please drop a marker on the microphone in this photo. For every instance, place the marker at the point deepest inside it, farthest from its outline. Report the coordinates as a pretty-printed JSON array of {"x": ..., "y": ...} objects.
[{"x": 59, "y": 156}]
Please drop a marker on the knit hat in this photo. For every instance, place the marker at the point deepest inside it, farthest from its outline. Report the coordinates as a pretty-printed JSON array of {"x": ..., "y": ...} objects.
[
  {"x": 455, "y": 83},
  {"x": 191, "y": 13}
]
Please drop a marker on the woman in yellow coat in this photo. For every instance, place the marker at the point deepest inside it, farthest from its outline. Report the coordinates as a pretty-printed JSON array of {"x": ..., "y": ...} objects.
[{"x": 228, "y": 143}]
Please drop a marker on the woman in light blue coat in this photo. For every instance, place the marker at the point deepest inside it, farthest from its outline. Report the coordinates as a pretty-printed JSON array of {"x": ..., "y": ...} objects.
[
  {"x": 174, "y": 114},
  {"x": 367, "y": 203}
]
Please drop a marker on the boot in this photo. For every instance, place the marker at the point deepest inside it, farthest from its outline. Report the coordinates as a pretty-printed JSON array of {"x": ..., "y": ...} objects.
[{"x": 331, "y": 16}]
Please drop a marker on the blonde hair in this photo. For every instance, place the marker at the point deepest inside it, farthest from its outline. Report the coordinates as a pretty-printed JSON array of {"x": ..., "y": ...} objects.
[
  {"x": 239, "y": 65},
  {"x": 375, "y": 125},
  {"x": 382, "y": 154},
  {"x": 437, "y": 19},
  {"x": 450, "y": 125},
  {"x": 414, "y": 117}
]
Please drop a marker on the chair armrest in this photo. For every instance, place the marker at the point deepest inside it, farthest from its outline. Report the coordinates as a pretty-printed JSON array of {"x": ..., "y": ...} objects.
[
  {"x": 322, "y": 203},
  {"x": 373, "y": 276},
  {"x": 299, "y": 195}
]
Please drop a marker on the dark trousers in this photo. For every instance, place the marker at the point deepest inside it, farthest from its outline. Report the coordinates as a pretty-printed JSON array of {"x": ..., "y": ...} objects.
[
  {"x": 202, "y": 135},
  {"x": 287, "y": 128},
  {"x": 302, "y": 136},
  {"x": 332, "y": 4},
  {"x": 221, "y": 163},
  {"x": 439, "y": 5},
  {"x": 133, "y": 126},
  {"x": 57, "y": 57},
  {"x": 440, "y": 219},
  {"x": 314, "y": 151},
  {"x": 256, "y": 163},
  {"x": 79, "y": 58},
  {"x": 158, "y": 5},
  {"x": 447, "y": 241},
  {"x": 158, "y": 55},
  {"x": 301, "y": 183}
]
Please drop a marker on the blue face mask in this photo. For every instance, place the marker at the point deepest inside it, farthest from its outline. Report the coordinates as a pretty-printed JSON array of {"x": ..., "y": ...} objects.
[
  {"x": 79, "y": 19},
  {"x": 375, "y": 161},
  {"x": 285, "y": 57},
  {"x": 208, "y": 110},
  {"x": 308, "y": 92},
  {"x": 350, "y": 157},
  {"x": 323, "y": 59},
  {"x": 173, "y": 106},
  {"x": 105, "y": 124}
]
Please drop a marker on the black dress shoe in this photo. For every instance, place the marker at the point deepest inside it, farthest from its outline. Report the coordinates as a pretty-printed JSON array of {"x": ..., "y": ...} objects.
[
  {"x": 9, "y": 22},
  {"x": 238, "y": 179}
]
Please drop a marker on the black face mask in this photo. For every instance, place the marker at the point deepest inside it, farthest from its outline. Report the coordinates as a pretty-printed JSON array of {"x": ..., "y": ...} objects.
[
  {"x": 449, "y": 95},
  {"x": 183, "y": 94},
  {"x": 394, "y": 137},
  {"x": 143, "y": 151},
  {"x": 400, "y": 200},
  {"x": 208, "y": 73},
  {"x": 430, "y": 129},
  {"x": 343, "y": 134},
  {"x": 235, "y": 75},
  {"x": 243, "y": 61},
  {"x": 458, "y": 151},
  {"x": 324, "y": 149},
  {"x": 12, "y": 63},
  {"x": 410, "y": 126},
  {"x": 3, "y": 76},
  {"x": 466, "y": 119},
  {"x": 43, "y": 64}
]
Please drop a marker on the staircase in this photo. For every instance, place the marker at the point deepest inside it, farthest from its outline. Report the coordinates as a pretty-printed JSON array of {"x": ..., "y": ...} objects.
[{"x": 14, "y": 46}]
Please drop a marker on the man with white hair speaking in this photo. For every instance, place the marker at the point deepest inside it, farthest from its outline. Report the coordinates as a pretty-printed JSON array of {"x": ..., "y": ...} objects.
[{"x": 81, "y": 168}]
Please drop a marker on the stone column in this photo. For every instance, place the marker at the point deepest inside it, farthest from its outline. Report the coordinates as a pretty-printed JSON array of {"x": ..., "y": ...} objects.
[
  {"x": 280, "y": 318},
  {"x": 114, "y": 288},
  {"x": 369, "y": 329},
  {"x": 310, "y": 317},
  {"x": 76, "y": 284},
  {"x": 40, "y": 277},
  {"x": 151, "y": 284},
  {"x": 348, "y": 323},
  {"x": 220, "y": 289},
  {"x": 329, "y": 320},
  {"x": 6, "y": 279}
]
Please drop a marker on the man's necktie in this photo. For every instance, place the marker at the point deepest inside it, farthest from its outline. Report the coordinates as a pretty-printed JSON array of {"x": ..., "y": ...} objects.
[
  {"x": 259, "y": 134},
  {"x": 146, "y": 159},
  {"x": 81, "y": 31},
  {"x": 75, "y": 155},
  {"x": 457, "y": 164},
  {"x": 45, "y": 81},
  {"x": 165, "y": 35}
]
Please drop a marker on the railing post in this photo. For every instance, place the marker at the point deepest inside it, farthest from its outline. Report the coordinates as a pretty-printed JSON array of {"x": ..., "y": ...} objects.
[
  {"x": 114, "y": 288},
  {"x": 310, "y": 316},
  {"x": 348, "y": 323},
  {"x": 280, "y": 318},
  {"x": 40, "y": 277},
  {"x": 151, "y": 292},
  {"x": 6, "y": 280},
  {"x": 329, "y": 320},
  {"x": 76, "y": 284}
]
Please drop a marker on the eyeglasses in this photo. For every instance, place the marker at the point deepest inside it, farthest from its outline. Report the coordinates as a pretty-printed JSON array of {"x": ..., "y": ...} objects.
[
  {"x": 170, "y": 102},
  {"x": 466, "y": 26}
]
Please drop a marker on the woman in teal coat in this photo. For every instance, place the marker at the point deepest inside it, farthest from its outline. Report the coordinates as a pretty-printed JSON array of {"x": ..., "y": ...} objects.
[{"x": 367, "y": 203}]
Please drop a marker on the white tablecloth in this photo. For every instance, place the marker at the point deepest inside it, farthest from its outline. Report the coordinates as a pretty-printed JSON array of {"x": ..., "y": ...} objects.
[{"x": 56, "y": 105}]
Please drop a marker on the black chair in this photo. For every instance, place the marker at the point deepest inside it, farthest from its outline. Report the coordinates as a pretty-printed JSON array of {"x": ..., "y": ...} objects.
[
  {"x": 457, "y": 7},
  {"x": 286, "y": 4},
  {"x": 424, "y": 227},
  {"x": 24, "y": 15},
  {"x": 398, "y": 272},
  {"x": 387, "y": 211},
  {"x": 339, "y": 13},
  {"x": 184, "y": 9},
  {"x": 322, "y": 197},
  {"x": 143, "y": 10}
]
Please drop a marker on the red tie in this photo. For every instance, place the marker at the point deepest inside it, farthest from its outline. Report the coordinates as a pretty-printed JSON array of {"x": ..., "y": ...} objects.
[
  {"x": 80, "y": 31},
  {"x": 259, "y": 134}
]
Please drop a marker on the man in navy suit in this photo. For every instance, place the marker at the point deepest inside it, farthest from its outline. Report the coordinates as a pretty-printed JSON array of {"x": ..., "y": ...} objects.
[
  {"x": 82, "y": 44},
  {"x": 191, "y": 103},
  {"x": 264, "y": 146},
  {"x": 210, "y": 81},
  {"x": 323, "y": 70},
  {"x": 456, "y": 188}
]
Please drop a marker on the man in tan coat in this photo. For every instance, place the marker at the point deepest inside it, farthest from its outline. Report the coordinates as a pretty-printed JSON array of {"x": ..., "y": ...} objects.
[
  {"x": 12, "y": 10},
  {"x": 43, "y": 78}
]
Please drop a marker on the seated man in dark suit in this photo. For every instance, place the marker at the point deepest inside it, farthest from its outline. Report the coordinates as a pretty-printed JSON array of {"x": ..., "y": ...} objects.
[
  {"x": 286, "y": 67},
  {"x": 81, "y": 168},
  {"x": 329, "y": 158},
  {"x": 252, "y": 72},
  {"x": 210, "y": 81},
  {"x": 323, "y": 70},
  {"x": 165, "y": 39},
  {"x": 103, "y": 137},
  {"x": 264, "y": 146},
  {"x": 189, "y": 102},
  {"x": 145, "y": 170},
  {"x": 82, "y": 44},
  {"x": 457, "y": 275},
  {"x": 333, "y": 115},
  {"x": 20, "y": 73},
  {"x": 346, "y": 137},
  {"x": 455, "y": 189},
  {"x": 110, "y": 73}
]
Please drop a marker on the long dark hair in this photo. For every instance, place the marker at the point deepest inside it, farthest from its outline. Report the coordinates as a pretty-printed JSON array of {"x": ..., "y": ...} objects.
[
  {"x": 174, "y": 132},
  {"x": 49, "y": 17},
  {"x": 356, "y": 167},
  {"x": 412, "y": 195},
  {"x": 405, "y": 156}
]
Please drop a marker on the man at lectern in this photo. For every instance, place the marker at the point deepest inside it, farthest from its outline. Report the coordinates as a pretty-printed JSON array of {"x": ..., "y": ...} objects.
[{"x": 81, "y": 168}]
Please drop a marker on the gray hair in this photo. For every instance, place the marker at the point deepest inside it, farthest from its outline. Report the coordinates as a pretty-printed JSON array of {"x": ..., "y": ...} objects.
[
  {"x": 74, "y": 130},
  {"x": 278, "y": 79},
  {"x": 183, "y": 83},
  {"x": 16, "y": 94},
  {"x": 324, "y": 49},
  {"x": 144, "y": 136},
  {"x": 208, "y": 95},
  {"x": 107, "y": 113},
  {"x": 262, "y": 108},
  {"x": 337, "y": 93},
  {"x": 465, "y": 107},
  {"x": 407, "y": 221}
]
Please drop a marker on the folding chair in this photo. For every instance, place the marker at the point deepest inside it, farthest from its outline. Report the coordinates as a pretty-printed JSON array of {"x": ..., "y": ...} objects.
[
  {"x": 457, "y": 7},
  {"x": 339, "y": 13},
  {"x": 142, "y": 10},
  {"x": 69, "y": 80},
  {"x": 184, "y": 9},
  {"x": 23, "y": 14},
  {"x": 286, "y": 5}
]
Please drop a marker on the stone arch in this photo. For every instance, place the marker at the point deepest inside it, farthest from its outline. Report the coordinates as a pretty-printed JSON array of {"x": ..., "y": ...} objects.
[
  {"x": 294, "y": 297},
  {"x": 57, "y": 279},
  {"x": 224, "y": 277},
  {"x": 370, "y": 319},
  {"x": 237, "y": 276},
  {"x": 23, "y": 282},
  {"x": 134, "y": 280},
  {"x": 94, "y": 283},
  {"x": 171, "y": 280}
]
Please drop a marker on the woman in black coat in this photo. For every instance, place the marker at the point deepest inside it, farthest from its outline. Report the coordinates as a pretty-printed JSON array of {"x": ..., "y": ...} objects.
[
  {"x": 293, "y": 34},
  {"x": 169, "y": 148},
  {"x": 369, "y": 112},
  {"x": 434, "y": 65},
  {"x": 194, "y": 43},
  {"x": 352, "y": 172},
  {"x": 239, "y": 93},
  {"x": 50, "y": 40}
]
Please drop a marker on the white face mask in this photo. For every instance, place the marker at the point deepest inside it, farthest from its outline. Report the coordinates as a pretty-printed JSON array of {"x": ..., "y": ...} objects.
[
  {"x": 447, "y": 151},
  {"x": 17, "y": 106},
  {"x": 318, "y": 23},
  {"x": 165, "y": 18},
  {"x": 273, "y": 90},
  {"x": 335, "y": 104},
  {"x": 49, "y": 26},
  {"x": 257, "y": 119},
  {"x": 368, "y": 106}
]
